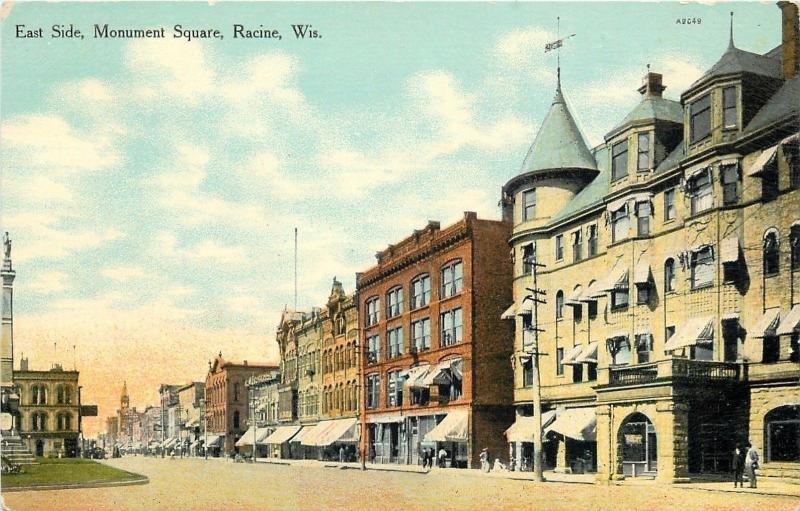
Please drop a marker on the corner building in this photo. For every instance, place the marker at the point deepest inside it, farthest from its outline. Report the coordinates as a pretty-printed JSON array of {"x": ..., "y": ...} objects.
[
  {"x": 671, "y": 265},
  {"x": 435, "y": 369}
]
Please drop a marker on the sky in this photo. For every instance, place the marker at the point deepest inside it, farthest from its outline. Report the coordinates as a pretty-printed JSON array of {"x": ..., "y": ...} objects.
[{"x": 151, "y": 187}]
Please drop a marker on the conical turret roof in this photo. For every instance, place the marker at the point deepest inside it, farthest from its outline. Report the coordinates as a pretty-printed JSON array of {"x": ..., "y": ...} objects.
[{"x": 559, "y": 142}]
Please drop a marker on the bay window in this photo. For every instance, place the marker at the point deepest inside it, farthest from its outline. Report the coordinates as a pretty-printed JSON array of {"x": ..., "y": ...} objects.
[
  {"x": 700, "y": 119},
  {"x": 619, "y": 160}
]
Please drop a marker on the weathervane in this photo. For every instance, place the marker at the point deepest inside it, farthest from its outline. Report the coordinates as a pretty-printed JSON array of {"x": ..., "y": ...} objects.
[{"x": 556, "y": 45}]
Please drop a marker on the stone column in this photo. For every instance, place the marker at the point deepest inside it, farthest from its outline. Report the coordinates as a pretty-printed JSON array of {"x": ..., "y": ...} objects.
[
  {"x": 605, "y": 443},
  {"x": 672, "y": 435}
]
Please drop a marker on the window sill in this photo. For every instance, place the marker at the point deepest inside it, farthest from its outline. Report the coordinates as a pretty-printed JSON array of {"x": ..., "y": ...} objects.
[
  {"x": 771, "y": 275},
  {"x": 702, "y": 287},
  {"x": 619, "y": 308}
]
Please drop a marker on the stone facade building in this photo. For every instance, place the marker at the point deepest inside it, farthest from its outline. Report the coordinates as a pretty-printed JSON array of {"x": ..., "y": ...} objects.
[
  {"x": 671, "y": 269},
  {"x": 189, "y": 397},
  {"x": 435, "y": 353}
]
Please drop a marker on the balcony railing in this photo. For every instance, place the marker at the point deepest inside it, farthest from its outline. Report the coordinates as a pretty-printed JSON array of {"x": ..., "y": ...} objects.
[{"x": 674, "y": 369}]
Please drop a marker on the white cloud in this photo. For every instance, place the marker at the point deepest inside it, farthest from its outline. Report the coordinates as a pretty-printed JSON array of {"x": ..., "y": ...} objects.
[
  {"x": 523, "y": 49},
  {"x": 166, "y": 245},
  {"x": 172, "y": 67},
  {"x": 49, "y": 282},
  {"x": 123, "y": 273}
]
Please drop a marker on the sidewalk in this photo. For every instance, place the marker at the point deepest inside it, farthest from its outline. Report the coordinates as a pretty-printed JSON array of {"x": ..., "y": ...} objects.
[{"x": 766, "y": 486}]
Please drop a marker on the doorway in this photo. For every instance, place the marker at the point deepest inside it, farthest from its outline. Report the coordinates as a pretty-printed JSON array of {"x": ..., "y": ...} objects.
[
  {"x": 638, "y": 446},
  {"x": 39, "y": 448}
]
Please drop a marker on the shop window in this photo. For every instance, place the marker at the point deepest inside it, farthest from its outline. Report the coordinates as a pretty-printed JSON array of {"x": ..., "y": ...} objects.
[
  {"x": 782, "y": 434},
  {"x": 420, "y": 291},
  {"x": 771, "y": 254},
  {"x": 620, "y": 350},
  {"x": 700, "y": 118},
  {"x": 421, "y": 334},
  {"x": 703, "y": 268},
  {"x": 644, "y": 348},
  {"x": 394, "y": 302},
  {"x": 372, "y": 311},
  {"x": 451, "y": 327},
  {"x": 619, "y": 160},
  {"x": 592, "y": 240},
  {"x": 452, "y": 279},
  {"x": 730, "y": 184},
  {"x": 730, "y": 115},
  {"x": 669, "y": 204},
  {"x": 643, "y": 152},
  {"x": 528, "y": 204}
]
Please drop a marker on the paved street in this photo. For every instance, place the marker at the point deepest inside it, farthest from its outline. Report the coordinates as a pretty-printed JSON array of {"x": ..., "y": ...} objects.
[{"x": 192, "y": 484}]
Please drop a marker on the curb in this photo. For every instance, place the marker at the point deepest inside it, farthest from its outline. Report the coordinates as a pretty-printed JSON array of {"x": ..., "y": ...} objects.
[{"x": 79, "y": 486}]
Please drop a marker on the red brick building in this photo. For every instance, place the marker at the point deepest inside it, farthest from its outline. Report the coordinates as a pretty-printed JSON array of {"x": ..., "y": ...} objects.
[
  {"x": 226, "y": 401},
  {"x": 435, "y": 368}
]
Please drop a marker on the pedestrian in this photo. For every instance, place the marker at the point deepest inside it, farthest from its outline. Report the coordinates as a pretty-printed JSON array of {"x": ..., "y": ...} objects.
[
  {"x": 341, "y": 454},
  {"x": 751, "y": 464},
  {"x": 423, "y": 456},
  {"x": 442, "y": 458},
  {"x": 739, "y": 454},
  {"x": 485, "y": 460}
]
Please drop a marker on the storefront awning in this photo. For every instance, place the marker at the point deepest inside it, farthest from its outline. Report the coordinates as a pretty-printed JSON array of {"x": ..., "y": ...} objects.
[
  {"x": 261, "y": 434},
  {"x": 576, "y": 423},
  {"x": 696, "y": 330},
  {"x": 768, "y": 324},
  {"x": 282, "y": 434},
  {"x": 385, "y": 418},
  {"x": 588, "y": 355},
  {"x": 641, "y": 272},
  {"x": 415, "y": 376},
  {"x": 304, "y": 433},
  {"x": 327, "y": 432},
  {"x": 168, "y": 443},
  {"x": 510, "y": 313},
  {"x": 213, "y": 440},
  {"x": 247, "y": 438},
  {"x": 453, "y": 428},
  {"x": 524, "y": 428},
  {"x": 790, "y": 323},
  {"x": 729, "y": 250},
  {"x": 572, "y": 354},
  {"x": 764, "y": 159}
]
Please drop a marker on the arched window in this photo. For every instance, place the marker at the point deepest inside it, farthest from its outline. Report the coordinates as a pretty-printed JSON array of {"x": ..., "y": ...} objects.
[
  {"x": 559, "y": 304},
  {"x": 794, "y": 245},
  {"x": 236, "y": 419},
  {"x": 771, "y": 255},
  {"x": 782, "y": 434},
  {"x": 669, "y": 275}
]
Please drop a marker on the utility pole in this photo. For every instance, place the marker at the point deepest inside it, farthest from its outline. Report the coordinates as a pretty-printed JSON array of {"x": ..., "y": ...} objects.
[{"x": 533, "y": 351}]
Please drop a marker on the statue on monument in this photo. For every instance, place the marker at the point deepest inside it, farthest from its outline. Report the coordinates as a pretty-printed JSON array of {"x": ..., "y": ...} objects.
[{"x": 7, "y": 244}]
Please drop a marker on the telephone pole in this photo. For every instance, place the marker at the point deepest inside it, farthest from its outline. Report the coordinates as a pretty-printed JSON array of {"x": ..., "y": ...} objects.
[{"x": 533, "y": 350}]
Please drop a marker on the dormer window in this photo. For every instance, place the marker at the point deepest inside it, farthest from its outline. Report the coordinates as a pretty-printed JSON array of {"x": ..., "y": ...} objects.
[
  {"x": 643, "y": 152},
  {"x": 700, "y": 118},
  {"x": 730, "y": 114},
  {"x": 619, "y": 160}
]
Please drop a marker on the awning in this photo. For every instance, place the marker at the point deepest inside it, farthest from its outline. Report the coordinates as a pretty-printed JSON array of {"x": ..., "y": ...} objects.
[
  {"x": 247, "y": 437},
  {"x": 731, "y": 160},
  {"x": 261, "y": 434},
  {"x": 618, "y": 204},
  {"x": 729, "y": 250},
  {"x": 282, "y": 434},
  {"x": 574, "y": 299},
  {"x": 525, "y": 308},
  {"x": 592, "y": 293},
  {"x": 767, "y": 157},
  {"x": 192, "y": 423},
  {"x": 642, "y": 197},
  {"x": 617, "y": 278},
  {"x": 453, "y": 428},
  {"x": 510, "y": 313},
  {"x": 641, "y": 272},
  {"x": 576, "y": 423},
  {"x": 168, "y": 443},
  {"x": 588, "y": 355},
  {"x": 524, "y": 428},
  {"x": 572, "y": 354},
  {"x": 790, "y": 323},
  {"x": 439, "y": 375},
  {"x": 695, "y": 171},
  {"x": 696, "y": 330},
  {"x": 730, "y": 316},
  {"x": 303, "y": 434},
  {"x": 768, "y": 324},
  {"x": 330, "y": 431},
  {"x": 386, "y": 418},
  {"x": 416, "y": 376}
]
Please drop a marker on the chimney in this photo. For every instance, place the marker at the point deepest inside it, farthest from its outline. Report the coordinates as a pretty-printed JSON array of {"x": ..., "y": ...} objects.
[
  {"x": 652, "y": 87},
  {"x": 23, "y": 364},
  {"x": 790, "y": 40}
]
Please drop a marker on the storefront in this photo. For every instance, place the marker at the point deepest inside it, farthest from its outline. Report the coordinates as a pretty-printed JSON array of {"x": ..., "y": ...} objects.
[
  {"x": 520, "y": 437},
  {"x": 451, "y": 437},
  {"x": 277, "y": 442},
  {"x": 334, "y": 440},
  {"x": 575, "y": 432},
  {"x": 638, "y": 446}
]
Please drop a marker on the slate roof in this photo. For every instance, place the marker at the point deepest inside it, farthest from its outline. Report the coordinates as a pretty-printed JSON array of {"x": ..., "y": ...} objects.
[
  {"x": 559, "y": 142},
  {"x": 672, "y": 159},
  {"x": 655, "y": 108},
  {"x": 735, "y": 60},
  {"x": 784, "y": 103}
]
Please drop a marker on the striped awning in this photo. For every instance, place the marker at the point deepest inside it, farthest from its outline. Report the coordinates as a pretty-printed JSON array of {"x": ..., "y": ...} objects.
[
  {"x": 572, "y": 355},
  {"x": 729, "y": 249},
  {"x": 766, "y": 158},
  {"x": 790, "y": 323},
  {"x": 768, "y": 324},
  {"x": 696, "y": 330}
]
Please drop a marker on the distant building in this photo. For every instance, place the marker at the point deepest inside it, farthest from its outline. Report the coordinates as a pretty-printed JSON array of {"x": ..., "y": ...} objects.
[
  {"x": 227, "y": 401},
  {"x": 263, "y": 392},
  {"x": 127, "y": 417},
  {"x": 189, "y": 397},
  {"x": 170, "y": 425}
]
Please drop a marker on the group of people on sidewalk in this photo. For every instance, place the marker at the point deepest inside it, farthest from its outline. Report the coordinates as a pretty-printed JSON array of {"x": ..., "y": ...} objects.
[
  {"x": 745, "y": 459},
  {"x": 428, "y": 458}
]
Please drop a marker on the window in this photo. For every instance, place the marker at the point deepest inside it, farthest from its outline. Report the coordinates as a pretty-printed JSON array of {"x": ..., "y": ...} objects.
[
  {"x": 668, "y": 333},
  {"x": 559, "y": 247},
  {"x": 620, "y": 224},
  {"x": 395, "y": 388},
  {"x": 236, "y": 419},
  {"x": 528, "y": 258},
  {"x": 644, "y": 346},
  {"x": 528, "y": 204},
  {"x": 372, "y": 314},
  {"x": 395, "y": 337},
  {"x": 730, "y": 184},
  {"x": 452, "y": 279},
  {"x": 60, "y": 395},
  {"x": 619, "y": 298},
  {"x": 559, "y": 361},
  {"x": 669, "y": 275},
  {"x": 643, "y": 293},
  {"x": 643, "y": 218},
  {"x": 394, "y": 302},
  {"x": 700, "y": 190},
  {"x": 781, "y": 433},
  {"x": 643, "y": 152},
  {"x": 577, "y": 246},
  {"x": 420, "y": 291},
  {"x": 527, "y": 371},
  {"x": 620, "y": 350},
  {"x": 669, "y": 204},
  {"x": 730, "y": 117},
  {"x": 421, "y": 334},
  {"x": 732, "y": 342},
  {"x": 703, "y": 267},
  {"x": 451, "y": 327},
  {"x": 592, "y": 240},
  {"x": 700, "y": 118},
  {"x": 619, "y": 160},
  {"x": 771, "y": 254},
  {"x": 452, "y": 390},
  {"x": 559, "y": 304},
  {"x": 794, "y": 246},
  {"x": 373, "y": 390},
  {"x": 373, "y": 348}
]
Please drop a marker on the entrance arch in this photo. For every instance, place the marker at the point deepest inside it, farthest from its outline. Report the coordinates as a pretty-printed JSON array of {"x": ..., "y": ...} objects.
[
  {"x": 637, "y": 446},
  {"x": 782, "y": 434}
]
